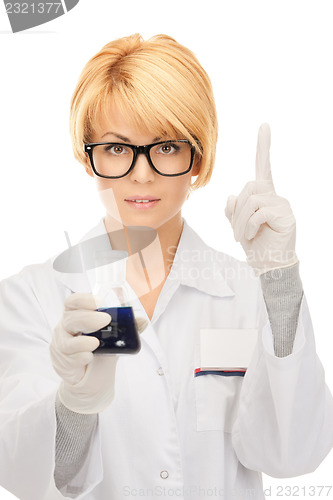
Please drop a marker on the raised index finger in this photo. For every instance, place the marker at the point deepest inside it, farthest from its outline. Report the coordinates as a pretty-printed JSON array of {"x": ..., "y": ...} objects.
[{"x": 263, "y": 165}]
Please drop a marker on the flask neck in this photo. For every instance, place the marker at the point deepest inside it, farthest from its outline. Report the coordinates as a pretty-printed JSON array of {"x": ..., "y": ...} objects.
[
  {"x": 112, "y": 295},
  {"x": 110, "y": 284}
]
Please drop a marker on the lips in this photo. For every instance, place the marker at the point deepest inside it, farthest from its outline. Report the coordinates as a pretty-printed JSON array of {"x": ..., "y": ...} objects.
[
  {"x": 140, "y": 202},
  {"x": 143, "y": 198}
]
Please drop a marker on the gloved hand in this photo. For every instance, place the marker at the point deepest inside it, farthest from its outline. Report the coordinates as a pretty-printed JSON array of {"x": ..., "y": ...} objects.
[
  {"x": 262, "y": 221},
  {"x": 87, "y": 384}
]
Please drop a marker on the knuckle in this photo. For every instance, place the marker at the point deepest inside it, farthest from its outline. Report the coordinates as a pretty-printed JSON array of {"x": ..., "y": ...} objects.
[
  {"x": 79, "y": 300},
  {"x": 231, "y": 200},
  {"x": 230, "y": 206},
  {"x": 89, "y": 321},
  {"x": 84, "y": 358},
  {"x": 253, "y": 201},
  {"x": 57, "y": 330},
  {"x": 67, "y": 322},
  {"x": 252, "y": 222},
  {"x": 70, "y": 300},
  {"x": 251, "y": 187}
]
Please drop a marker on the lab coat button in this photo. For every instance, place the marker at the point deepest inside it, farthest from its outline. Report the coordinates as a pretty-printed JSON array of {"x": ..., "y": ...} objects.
[
  {"x": 160, "y": 371},
  {"x": 164, "y": 474}
]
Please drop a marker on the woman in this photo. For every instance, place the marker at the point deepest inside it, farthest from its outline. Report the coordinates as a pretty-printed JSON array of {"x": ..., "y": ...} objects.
[{"x": 179, "y": 418}]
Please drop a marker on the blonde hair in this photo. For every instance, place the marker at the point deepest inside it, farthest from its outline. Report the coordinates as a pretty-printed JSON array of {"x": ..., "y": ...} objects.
[{"x": 158, "y": 84}]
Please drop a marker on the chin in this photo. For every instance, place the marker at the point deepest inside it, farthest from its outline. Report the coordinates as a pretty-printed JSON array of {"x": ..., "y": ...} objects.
[
  {"x": 141, "y": 220},
  {"x": 145, "y": 219}
]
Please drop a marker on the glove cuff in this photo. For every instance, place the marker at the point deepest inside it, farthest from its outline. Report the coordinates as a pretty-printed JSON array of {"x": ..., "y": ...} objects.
[
  {"x": 274, "y": 266},
  {"x": 95, "y": 391},
  {"x": 78, "y": 401}
]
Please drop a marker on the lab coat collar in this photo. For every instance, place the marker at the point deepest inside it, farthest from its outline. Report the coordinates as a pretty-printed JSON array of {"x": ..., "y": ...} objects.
[
  {"x": 195, "y": 265},
  {"x": 199, "y": 266}
]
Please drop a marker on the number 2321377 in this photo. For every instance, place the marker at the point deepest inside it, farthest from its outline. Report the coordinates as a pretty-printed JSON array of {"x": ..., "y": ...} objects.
[{"x": 32, "y": 8}]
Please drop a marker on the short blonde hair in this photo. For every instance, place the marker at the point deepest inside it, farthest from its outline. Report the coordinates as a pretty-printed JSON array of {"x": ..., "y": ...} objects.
[{"x": 158, "y": 84}]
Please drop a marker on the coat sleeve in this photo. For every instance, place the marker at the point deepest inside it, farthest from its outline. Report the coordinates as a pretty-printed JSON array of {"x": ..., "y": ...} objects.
[
  {"x": 28, "y": 387},
  {"x": 284, "y": 426}
]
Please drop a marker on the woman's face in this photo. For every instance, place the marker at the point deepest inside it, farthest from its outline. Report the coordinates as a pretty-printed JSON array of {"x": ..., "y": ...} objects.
[{"x": 142, "y": 182}]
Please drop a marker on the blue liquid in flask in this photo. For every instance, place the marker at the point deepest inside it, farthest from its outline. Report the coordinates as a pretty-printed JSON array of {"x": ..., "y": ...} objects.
[{"x": 120, "y": 336}]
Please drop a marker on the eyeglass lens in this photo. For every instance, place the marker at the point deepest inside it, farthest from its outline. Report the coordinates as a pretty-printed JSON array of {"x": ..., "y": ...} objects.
[{"x": 168, "y": 158}]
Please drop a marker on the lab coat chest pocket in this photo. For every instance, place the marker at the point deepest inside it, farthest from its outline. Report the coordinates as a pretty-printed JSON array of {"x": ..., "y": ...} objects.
[
  {"x": 222, "y": 356},
  {"x": 217, "y": 398}
]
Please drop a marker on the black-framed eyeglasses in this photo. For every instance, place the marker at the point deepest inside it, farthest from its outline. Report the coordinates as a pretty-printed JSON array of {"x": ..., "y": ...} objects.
[{"x": 113, "y": 160}]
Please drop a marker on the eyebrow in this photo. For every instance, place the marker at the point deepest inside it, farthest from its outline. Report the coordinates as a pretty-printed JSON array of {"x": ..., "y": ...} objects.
[{"x": 126, "y": 139}]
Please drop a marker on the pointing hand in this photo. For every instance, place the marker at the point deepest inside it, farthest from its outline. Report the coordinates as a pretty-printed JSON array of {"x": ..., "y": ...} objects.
[{"x": 262, "y": 221}]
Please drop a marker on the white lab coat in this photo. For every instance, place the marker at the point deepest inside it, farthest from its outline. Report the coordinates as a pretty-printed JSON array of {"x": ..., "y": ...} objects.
[{"x": 167, "y": 433}]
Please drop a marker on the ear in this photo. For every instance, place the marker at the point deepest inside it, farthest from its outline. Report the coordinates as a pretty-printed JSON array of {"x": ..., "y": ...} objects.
[
  {"x": 196, "y": 166},
  {"x": 87, "y": 166}
]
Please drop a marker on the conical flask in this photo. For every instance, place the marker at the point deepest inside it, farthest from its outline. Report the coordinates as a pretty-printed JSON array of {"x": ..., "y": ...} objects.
[{"x": 120, "y": 336}]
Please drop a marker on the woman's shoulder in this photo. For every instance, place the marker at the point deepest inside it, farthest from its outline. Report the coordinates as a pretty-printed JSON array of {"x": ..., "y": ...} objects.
[
  {"x": 34, "y": 292},
  {"x": 28, "y": 274},
  {"x": 44, "y": 274},
  {"x": 34, "y": 281}
]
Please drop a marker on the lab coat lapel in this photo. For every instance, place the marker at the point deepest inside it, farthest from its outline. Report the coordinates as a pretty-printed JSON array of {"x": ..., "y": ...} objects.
[
  {"x": 200, "y": 266},
  {"x": 195, "y": 264},
  {"x": 192, "y": 260}
]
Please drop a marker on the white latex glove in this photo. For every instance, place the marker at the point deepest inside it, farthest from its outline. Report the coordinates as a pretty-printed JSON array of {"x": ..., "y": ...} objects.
[
  {"x": 262, "y": 221},
  {"x": 87, "y": 384}
]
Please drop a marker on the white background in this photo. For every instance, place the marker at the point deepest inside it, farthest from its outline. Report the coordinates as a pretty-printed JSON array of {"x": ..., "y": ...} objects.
[{"x": 268, "y": 61}]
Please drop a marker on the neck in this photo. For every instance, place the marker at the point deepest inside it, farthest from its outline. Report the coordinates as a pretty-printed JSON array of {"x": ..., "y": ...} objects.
[
  {"x": 169, "y": 236},
  {"x": 149, "y": 268}
]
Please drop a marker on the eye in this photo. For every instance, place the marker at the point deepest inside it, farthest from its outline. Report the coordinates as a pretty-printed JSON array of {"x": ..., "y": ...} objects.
[
  {"x": 168, "y": 148},
  {"x": 116, "y": 149}
]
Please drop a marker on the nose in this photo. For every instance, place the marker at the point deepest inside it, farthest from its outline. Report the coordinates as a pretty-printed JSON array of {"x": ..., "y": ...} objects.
[{"x": 142, "y": 171}]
